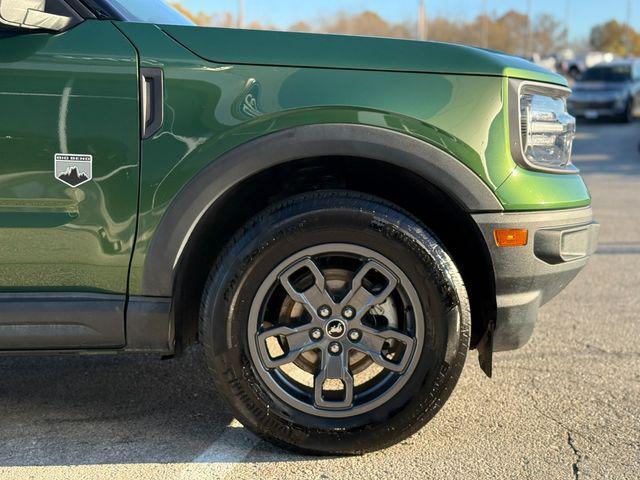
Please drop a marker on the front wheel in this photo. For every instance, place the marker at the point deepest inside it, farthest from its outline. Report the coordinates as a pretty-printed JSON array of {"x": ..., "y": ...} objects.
[
  {"x": 335, "y": 323},
  {"x": 628, "y": 115}
]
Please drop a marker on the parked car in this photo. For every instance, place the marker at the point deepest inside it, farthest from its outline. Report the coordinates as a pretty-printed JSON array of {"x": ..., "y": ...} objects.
[
  {"x": 609, "y": 90},
  {"x": 576, "y": 65},
  {"x": 337, "y": 220}
]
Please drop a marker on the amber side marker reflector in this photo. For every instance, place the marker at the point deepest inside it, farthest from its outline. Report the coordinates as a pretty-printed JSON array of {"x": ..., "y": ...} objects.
[{"x": 511, "y": 237}]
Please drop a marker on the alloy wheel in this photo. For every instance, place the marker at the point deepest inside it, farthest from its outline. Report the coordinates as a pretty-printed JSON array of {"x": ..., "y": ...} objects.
[{"x": 336, "y": 330}]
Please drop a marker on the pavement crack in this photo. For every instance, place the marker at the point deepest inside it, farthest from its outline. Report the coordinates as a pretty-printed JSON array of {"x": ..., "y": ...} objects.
[
  {"x": 541, "y": 411},
  {"x": 615, "y": 353},
  {"x": 578, "y": 456}
]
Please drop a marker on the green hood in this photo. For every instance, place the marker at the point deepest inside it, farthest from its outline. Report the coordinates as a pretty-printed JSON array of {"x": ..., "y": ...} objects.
[{"x": 255, "y": 47}]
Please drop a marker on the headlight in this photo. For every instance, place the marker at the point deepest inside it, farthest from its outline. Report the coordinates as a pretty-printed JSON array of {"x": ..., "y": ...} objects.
[{"x": 545, "y": 130}]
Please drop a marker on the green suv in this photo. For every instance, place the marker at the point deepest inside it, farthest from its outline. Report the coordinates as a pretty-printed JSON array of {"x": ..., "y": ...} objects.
[{"x": 337, "y": 220}]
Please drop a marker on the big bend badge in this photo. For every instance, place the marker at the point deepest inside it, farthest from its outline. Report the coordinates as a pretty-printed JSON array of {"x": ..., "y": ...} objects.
[{"x": 72, "y": 169}]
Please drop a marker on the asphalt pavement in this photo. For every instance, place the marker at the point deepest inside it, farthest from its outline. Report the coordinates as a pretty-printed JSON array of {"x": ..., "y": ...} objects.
[{"x": 567, "y": 406}]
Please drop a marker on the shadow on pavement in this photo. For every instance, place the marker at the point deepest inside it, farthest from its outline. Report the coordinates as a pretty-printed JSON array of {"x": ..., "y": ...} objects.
[{"x": 112, "y": 410}]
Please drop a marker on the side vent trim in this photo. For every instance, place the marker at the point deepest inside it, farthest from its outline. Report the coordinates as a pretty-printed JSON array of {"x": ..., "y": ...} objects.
[{"x": 151, "y": 101}]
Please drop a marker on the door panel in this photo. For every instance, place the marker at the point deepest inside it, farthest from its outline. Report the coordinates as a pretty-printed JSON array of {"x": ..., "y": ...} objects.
[
  {"x": 74, "y": 93},
  {"x": 68, "y": 109}
]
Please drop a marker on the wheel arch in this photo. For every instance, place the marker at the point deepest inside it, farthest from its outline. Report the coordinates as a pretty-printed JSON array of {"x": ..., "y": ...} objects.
[{"x": 245, "y": 180}]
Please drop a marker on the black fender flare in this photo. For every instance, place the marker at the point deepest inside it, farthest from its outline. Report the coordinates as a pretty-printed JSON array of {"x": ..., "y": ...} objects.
[{"x": 181, "y": 218}]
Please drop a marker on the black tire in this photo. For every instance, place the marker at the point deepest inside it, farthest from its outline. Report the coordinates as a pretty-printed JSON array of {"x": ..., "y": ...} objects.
[
  {"x": 627, "y": 116},
  {"x": 316, "y": 219}
]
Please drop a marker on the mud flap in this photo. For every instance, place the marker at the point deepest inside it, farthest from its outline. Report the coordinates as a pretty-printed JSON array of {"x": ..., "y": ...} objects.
[{"x": 485, "y": 351}]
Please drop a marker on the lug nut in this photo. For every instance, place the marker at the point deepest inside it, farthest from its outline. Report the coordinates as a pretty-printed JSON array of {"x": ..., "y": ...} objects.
[
  {"x": 316, "y": 334},
  {"x": 355, "y": 335},
  {"x": 348, "y": 312},
  {"x": 335, "y": 348},
  {"x": 324, "y": 311}
]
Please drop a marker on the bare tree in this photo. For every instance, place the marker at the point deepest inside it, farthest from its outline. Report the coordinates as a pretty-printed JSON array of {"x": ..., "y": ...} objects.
[
  {"x": 365, "y": 23},
  {"x": 199, "y": 18},
  {"x": 615, "y": 37},
  {"x": 549, "y": 35}
]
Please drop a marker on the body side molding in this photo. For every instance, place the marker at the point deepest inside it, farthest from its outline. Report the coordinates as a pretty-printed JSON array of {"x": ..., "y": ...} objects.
[
  {"x": 52, "y": 321},
  {"x": 341, "y": 140}
]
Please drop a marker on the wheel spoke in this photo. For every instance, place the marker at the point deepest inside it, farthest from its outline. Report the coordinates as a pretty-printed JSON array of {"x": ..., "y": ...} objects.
[
  {"x": 372, "y": 343},
  {"x": 334, "y": 367},
  {"x": 316, "y": 295},
  {"x": 362, "y": 299},
  {"x": 298, "y": 341}
]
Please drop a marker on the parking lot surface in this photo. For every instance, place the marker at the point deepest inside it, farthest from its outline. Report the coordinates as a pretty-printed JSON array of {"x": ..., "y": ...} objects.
[{"x": 567, "y": 406}]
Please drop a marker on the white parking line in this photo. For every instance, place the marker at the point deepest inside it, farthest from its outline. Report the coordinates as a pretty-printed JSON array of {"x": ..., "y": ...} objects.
[{"x": 223, "y": 456}]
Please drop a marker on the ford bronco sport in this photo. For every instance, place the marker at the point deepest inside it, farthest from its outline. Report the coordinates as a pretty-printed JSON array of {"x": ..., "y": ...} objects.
[{"x": 337, "y": 220}]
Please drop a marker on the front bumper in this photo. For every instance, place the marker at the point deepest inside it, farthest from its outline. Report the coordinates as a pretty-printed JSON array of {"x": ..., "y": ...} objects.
[
  {"x": 559, "y": 246},
  {"x": 597, "y": 110}
]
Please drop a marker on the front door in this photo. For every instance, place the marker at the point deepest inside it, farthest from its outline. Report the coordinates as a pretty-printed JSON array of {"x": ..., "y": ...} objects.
[{"x": 69, "y": 151}]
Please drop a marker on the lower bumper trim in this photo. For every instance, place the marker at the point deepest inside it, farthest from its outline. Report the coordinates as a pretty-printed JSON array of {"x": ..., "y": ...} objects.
[{"x": 560, "y": 245}]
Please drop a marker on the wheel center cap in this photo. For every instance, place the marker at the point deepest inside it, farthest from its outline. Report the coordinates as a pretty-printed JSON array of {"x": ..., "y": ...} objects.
[{"x": 336, "y": 328}]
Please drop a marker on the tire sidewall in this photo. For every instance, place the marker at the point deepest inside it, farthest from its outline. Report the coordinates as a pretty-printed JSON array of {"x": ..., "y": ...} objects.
[{"x": 335, "y": 218}]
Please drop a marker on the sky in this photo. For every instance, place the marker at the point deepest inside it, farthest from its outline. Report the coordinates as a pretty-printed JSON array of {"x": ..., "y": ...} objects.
[{"x": 583, "y": 13}]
